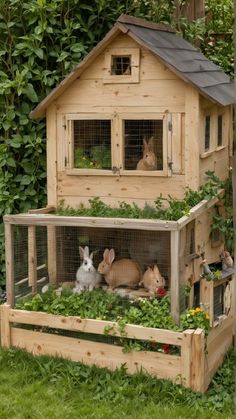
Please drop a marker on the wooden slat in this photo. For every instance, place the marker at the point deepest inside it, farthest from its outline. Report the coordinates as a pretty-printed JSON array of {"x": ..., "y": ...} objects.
[
  {"x": 192, "y": 137},
  {"x": 174, "y": 285},
  {"x": 198, "y": 361},
  {"x": 47, "y": 219},
  {"x": 51, "y": 156},
  {"x": 9, "y": 250},
  {"x": 186, "y": 357},
  {"x": 5, "y": 326},
  {"x": 32, "y": 259},
  {"x": 100, "y": 354},
  {"x": 44, "y": 210},
  {"x": 52, "y": 253},
  {"x": 76, "y": 324}
]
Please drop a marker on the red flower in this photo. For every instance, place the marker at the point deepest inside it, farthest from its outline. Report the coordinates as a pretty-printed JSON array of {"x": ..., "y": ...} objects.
[
  {"x": 166, "y": 348},
  {"x": 161, "y": 292}
]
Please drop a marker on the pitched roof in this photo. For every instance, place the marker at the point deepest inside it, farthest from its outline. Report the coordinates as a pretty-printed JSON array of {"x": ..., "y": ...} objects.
[{"x": 177, "y": 54}]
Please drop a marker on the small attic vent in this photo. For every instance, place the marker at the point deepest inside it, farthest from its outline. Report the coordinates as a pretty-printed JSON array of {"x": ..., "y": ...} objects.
[{"x": 121, "y": 65}]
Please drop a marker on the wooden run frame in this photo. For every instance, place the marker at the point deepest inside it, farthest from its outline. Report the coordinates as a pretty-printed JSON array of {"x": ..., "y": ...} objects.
[
  {"x": 194, "y": 367},
  {"x": 44, "y": 217}
]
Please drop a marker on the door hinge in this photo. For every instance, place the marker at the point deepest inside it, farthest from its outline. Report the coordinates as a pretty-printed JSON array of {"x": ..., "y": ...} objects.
[{"x": 170, "y": 126}]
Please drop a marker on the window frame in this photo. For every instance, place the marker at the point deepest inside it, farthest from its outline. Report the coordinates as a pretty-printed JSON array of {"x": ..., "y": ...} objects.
[
  {"x": 69, "y": 151},
  {"x": 117, "y": 144},
  {"x": 165, "y": 138},
  {"x": 134, "y": 54}
]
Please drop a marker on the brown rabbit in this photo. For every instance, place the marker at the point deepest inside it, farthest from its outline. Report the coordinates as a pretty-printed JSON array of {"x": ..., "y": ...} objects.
[
  {"x": 121, "y": 272},
  {"x": 152, "y": 279},
  {"x": 149, "y": 160}
]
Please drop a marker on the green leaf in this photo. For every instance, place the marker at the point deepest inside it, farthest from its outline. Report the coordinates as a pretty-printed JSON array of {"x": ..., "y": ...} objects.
[{"x": 30, "y": 93}]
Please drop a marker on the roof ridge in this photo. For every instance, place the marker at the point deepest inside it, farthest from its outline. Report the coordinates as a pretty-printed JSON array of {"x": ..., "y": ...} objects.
[{"x": 145, "y": 23}]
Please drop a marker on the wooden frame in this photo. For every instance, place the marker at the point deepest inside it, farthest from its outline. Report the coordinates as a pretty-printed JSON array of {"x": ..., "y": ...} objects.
[
  {"x": 134, "y": 53},
  {"x": 117, "y": 143},
  {"x": 193, "y": 368}
]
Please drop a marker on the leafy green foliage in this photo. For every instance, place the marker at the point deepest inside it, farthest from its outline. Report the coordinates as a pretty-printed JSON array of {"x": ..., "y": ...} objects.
[
  {"x": 60, "y": 388},
  {"x": 165, "y": 208},
  {"x": 40, "y": 43},
  {"x": 98, "y": 304},
  {"x": 194, "y": 318},
  {"x": 100, "y": 158}
]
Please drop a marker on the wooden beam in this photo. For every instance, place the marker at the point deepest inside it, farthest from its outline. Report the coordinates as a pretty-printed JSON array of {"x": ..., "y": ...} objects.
[
  {"x": 186, "y": 357},
  {"x": 52, "y": 253},
  {"x": 10, "y": 274},
  {"x": 59, "y": 220},
  {"x": 76, "y": 324},
  {"x": 174, "y": 282},
  {"x": 100, "y": 354},
  {"x": 198, "y": 361},
  {"x": 5, "y": 326}
]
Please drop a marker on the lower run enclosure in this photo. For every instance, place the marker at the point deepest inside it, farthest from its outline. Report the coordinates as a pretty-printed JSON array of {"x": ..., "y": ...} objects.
[{"x": 43, "y": 248}]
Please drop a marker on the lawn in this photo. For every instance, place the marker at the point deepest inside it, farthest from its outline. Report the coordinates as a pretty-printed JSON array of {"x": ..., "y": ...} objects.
[{"x": 45, "y": 388}]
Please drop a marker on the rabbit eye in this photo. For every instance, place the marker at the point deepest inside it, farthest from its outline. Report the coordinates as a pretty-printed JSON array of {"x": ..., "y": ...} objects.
[
  {"x": 146, "y": 155},
  {"x": 86, "y": 263}
]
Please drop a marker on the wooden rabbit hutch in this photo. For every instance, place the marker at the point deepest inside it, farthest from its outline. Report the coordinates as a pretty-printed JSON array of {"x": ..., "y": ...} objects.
[{"x": 143, "y": 93}]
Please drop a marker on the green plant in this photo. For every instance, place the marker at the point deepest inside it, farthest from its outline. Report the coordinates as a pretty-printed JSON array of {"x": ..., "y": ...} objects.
[
  {"x": 195, "y": 318},
  {"x": 165, "y": 208}
]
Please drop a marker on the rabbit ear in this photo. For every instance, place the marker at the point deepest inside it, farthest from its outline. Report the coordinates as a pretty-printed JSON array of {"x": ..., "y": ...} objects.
[
  {"x": 151, "y": 144},
  {"x": 106, "y": 255},
  {"x": 86, "y": 251},
  {"x": 156, "y": 270},
  {"x": 81, "y": 252},
  {"x": 145, "y": 144},
  {"x": 91, "y": 256},
  {"x": 111, "y": 255}
]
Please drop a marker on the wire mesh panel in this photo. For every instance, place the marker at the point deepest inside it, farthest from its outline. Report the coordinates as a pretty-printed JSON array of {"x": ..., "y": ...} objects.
[
  {"x": 21, "y": 260},
  {"x": 92, "y": 144},
  {"x": 37, "y": 260},
  {"x": 143, "y": 141},
  {"x": 146, "y": 248}
]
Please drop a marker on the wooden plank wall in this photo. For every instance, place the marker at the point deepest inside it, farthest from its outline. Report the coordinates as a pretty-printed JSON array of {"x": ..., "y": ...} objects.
[{"x": 159, "y": 91}]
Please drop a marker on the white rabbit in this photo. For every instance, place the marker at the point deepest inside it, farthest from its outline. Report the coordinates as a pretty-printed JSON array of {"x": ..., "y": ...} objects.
[
  {"x": 121, "y": 272},
  {"x": 87, "y": 278},
  {"x": 149, "y": 160}
]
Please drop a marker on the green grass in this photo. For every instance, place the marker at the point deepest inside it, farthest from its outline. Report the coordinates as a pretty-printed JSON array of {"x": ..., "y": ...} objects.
[{"x": 45, "y": 388}]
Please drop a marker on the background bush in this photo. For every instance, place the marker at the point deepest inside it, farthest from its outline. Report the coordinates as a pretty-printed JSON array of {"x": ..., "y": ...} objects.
[{"x": 40, "y": 43}]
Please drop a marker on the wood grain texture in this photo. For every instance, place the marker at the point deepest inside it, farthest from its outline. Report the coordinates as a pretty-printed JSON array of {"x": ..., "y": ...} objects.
[{"x": 100, "y": 354}]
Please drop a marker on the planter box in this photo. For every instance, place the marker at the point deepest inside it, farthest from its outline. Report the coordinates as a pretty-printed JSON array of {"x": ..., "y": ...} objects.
[{"x": 193, "y": 368}]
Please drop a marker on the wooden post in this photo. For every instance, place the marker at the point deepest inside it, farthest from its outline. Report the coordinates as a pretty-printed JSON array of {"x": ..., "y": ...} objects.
[
  {"x": 186, "y": 357},
  {"x": 198, "y": 361},
  {"x": 9, "y": 248},
  {"x": 52, "y": 155},
  {"x": 5, "y": 326},
  {"x": 52, "y": 253},
  {"x": 32, "y": 258},
  {"x": 174, "y": 283}
]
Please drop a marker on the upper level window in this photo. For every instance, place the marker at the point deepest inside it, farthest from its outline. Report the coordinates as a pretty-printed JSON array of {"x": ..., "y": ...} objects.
[
  {"x": 121, "y": 65},
  {"x": 207, "y": 133},
  {"x": 91, "y": 144},
  {"x": 220, "y": 131},
  {"x": 143, "y": 144}
]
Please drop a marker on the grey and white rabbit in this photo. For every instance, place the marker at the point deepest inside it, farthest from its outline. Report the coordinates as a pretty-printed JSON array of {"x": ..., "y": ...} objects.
[{"x": 87, "y": 277}]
